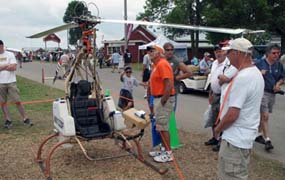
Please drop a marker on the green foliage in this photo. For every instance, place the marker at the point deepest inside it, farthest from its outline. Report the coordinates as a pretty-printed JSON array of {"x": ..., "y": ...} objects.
[
  {"x": 74, "y": 9},
  {"x": 266, "y": 15},
  {"x": 177, "y": 12},
  {"x": 39, "y": 113},
  {"x": 155, "y": 10},
  {"x": 248, "y": 14}
]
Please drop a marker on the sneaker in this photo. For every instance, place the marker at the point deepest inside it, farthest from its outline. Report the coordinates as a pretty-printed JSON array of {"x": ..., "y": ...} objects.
[
  {"x": 212, "y": 141},
  {"x": 157, "y": 153},
  {"x": 260, "y": 139},
  {"x": 28, "y": 122},
  {"x": 8, "y": 124},
  {"x": 164, "y": 157},
  {"x": 216, "y": 148},
  {"x": 268, "y": 146}
]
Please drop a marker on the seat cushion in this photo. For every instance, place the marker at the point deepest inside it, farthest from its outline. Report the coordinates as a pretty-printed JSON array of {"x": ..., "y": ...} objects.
[{"x": 88, "y": 122}]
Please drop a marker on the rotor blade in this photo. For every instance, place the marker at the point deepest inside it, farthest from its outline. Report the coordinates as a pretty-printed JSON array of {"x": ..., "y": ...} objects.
[
  {"x": 248, "y": 31},
  {"x": 197, "y": 28},
  {"x": 54, "y": 30}
]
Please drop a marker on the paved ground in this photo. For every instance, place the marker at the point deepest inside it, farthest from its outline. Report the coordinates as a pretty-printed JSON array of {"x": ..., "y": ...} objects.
[{"x": 190, "y": 107}]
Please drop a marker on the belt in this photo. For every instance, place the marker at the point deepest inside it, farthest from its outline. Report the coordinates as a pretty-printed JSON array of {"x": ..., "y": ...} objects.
[
  {"x": 269, "y": 91},
  {"x": 159, "y": 96},
  {"x": 217, "y": 94}
]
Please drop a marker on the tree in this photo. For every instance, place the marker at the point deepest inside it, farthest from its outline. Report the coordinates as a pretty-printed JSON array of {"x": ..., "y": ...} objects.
[
  {"x": 155, "y": 10},
  {"x": 178, "y": 12},
  {"x": 248, "y": 14},
  {"x": 74, "y": 9},
  {"x": 277, "y": 22},
  {"x": 187, "y": 12}
]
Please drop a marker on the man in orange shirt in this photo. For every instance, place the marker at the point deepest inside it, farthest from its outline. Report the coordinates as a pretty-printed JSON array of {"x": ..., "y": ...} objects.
[{"x": 162, "y": 89}]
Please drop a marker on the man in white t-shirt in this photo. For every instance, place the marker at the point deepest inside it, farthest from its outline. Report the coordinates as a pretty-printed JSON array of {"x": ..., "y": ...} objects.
[
  {"x": 221, "y": 73},
  {"x": 8, "y": 87},
  {"x": 240, "y": 116}
]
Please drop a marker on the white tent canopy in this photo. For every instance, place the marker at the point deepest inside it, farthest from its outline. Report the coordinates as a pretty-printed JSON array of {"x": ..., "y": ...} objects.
[{"x": 161, "y": 40}]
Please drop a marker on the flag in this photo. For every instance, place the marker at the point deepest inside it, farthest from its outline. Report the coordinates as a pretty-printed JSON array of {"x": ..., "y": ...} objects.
[{"x": 129, "y": 30}]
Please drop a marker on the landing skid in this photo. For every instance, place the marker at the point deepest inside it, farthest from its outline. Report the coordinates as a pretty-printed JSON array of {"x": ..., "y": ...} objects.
[{"x": 122, "y": 140}]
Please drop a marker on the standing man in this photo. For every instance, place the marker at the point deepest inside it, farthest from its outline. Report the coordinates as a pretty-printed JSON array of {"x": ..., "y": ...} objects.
[
  {"x": 240, "y": 116},
  {"x": 127, "y": 58},
  {"x": 204, "y": 64},
  {"x": 115, "y": 59},
  {"x": 100, "y": 57},
  {"x": 8, "y": 87},
  {"x": 179, "y": 69},
  {"x": 65, "y": 63},
  {"x": 217, "y": 70},
  {"x": 146, "y": 70},
  {"x": 273, "y": 75},
  {"x": 162, "y": 89}
]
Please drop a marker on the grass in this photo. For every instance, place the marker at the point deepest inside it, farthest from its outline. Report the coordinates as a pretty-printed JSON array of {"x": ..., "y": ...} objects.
[
  {"x": 41, "y": 112},
  {"x": 19, "y": 144},
  {"x": 137, "y": 66}
]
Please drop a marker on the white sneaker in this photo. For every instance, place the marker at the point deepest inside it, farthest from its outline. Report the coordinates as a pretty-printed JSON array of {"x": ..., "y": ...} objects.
[
  {"x": 156, "y": 153},
  {"x": 164, "y": 157}
]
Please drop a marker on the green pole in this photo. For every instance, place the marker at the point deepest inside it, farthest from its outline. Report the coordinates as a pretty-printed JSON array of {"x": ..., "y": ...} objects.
[{"x": 174, "y": 137}]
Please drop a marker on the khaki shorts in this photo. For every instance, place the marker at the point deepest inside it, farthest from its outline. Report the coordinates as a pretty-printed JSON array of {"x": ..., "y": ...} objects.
[
  {"x": 9, "y": 90},
  {"x": 162, "y": 113},
  {"x": 233, "y": 162},
  {"x": 268, "y": 100}
]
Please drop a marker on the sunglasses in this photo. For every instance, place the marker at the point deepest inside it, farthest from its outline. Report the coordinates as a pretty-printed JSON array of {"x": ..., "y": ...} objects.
[
  {"x": 275, "y": 52},
  {"x": 168, "y": 49},
  {"x": 128, "y": 71}
]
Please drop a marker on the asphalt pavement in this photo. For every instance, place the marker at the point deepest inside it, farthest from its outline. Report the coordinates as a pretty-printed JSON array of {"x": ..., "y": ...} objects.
[{"x": 190, "y": 109}]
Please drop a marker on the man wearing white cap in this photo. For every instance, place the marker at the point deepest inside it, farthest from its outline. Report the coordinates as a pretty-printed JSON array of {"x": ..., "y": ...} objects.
[
  {"x": 221, "y": 73},
  {"x": 240, "y": 116}
]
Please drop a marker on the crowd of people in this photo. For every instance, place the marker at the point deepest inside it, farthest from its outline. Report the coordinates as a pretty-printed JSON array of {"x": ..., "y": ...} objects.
[
  {"x": 239, "y": 116},
  {"x": 242, "y": 96}
]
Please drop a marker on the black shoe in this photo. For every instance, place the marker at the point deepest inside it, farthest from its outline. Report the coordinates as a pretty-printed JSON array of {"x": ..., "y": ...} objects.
[
  {"x": 260, "y": 139},
  {"x": 212, "y": 141},
  {"x": 268, "y": 145},
  {"x": 8, "y": 124},
  {"x": 28, "y": 122},
  {"x": 216, "y": 148}
]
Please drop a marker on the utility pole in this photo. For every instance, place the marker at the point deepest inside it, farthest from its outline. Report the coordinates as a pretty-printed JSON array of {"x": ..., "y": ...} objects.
[{"x": 126, "y": 25}]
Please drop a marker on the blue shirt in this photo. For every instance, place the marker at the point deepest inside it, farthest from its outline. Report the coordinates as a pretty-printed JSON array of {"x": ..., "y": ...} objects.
[{"x": 273, "y": 74}]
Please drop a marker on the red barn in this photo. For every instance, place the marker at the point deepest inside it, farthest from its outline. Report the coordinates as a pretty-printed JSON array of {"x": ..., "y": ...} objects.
[{"x": 139, "y": 36}]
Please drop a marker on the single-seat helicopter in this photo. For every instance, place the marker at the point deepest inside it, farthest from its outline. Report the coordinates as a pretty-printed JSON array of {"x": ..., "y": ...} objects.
[{"x": 86, "y": 113}]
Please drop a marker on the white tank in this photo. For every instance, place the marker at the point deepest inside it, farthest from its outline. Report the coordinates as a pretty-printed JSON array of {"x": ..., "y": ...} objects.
[
  {"x": 62, "y": 121},
  {"x": 119, "y": 121},
  {"x": 108, "y": 107}
]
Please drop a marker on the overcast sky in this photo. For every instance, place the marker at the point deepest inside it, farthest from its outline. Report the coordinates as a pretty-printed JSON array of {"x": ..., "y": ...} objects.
[{"x": 21, "y": 18}]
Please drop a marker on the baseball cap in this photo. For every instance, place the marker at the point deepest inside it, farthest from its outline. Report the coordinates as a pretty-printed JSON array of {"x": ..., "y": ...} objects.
[
  {"x": 221, "y": 44},
  {"x": 156, "y": 47},
  {"x": 1, "y": 42},
  {"x": 239, "y": 44},
  {"x": 207, "y": 54}
]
